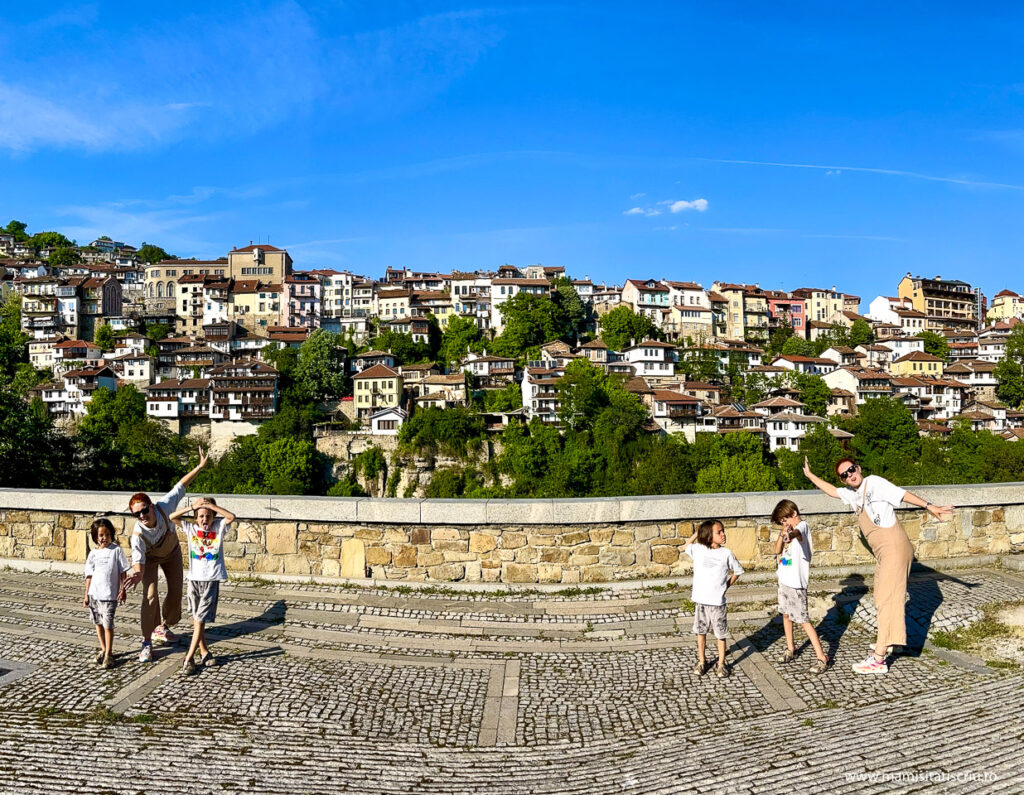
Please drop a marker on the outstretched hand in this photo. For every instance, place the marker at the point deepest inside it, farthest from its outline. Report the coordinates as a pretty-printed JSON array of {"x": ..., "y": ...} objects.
[
  {"x": 807, "y": 468},
  {"x": 203, "y": 458},
  {"x": 940, "y": 511}
]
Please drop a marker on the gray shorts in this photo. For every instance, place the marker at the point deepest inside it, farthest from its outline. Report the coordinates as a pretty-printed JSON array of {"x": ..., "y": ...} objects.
[
  {"x": 102, "y": 611},
  {"x": 202, "y": 600},
  {"x": 793, "y": 603},
  {"x": 710, "y": 618}
]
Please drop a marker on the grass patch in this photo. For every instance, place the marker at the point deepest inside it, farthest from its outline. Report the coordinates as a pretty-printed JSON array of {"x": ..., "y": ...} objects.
[
  {"x": 144, "y": 717},
  {"x": 1002, "y": 665},
  {"x": 572, "y": 592},
  {"x": 687, "y": 606},
  {"x": 807, "y": 722},
  {"x": 829, "y": 704},
  {"x": 988, "y": 627},
  {"x": 253, "y": 581}
]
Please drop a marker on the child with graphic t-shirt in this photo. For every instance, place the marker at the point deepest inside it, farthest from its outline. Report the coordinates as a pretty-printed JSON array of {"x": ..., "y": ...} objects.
[
  {"x": 106, "y": 569},
  {"x": 712, "y": 564},
  {"x": 793, "y": 551},
  {"x": 206, "y": 571}
]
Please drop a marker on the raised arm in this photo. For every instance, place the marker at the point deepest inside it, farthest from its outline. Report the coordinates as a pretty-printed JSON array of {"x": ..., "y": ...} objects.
[
  {"x": 223, "y": 513},
  {"x": 176, "y": 516},
  {"x": 938, "y": 511},
  {"x": 823, "y": 485},
  {"x": 191, "y": 475}
]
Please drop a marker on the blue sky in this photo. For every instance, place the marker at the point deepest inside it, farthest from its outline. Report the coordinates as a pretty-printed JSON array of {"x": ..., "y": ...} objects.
[{"x": 786, "y": 144}]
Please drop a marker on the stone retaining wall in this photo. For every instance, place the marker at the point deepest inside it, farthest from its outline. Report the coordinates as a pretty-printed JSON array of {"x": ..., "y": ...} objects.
[{"x": 514, "y": 541}]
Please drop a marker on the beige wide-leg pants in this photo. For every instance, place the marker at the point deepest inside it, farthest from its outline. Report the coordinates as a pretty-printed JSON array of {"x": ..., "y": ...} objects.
[{"x": 893, "y": 555}]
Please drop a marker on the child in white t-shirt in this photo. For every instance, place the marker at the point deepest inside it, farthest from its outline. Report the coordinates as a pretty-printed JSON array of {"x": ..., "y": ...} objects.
[
  {"x": 715, "y": 569},
  {"x": 793, "y": 552},
  {"x": 206, "y": 571},
  {"x": 106, "y": 569}
]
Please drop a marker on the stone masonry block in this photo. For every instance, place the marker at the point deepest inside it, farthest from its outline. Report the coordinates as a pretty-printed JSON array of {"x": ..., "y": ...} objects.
[{"x": 282, "y": 538}]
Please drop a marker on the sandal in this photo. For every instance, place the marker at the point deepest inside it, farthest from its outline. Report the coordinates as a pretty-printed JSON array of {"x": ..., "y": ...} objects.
[
  {"x": 208, "y": 660},
  {"x": 788, "y": 657}
]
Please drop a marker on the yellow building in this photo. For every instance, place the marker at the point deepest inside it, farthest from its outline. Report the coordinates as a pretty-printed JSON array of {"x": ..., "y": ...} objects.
[
  {"x": 917, "y": 363},
  {"x": 1005, "y": 305},
  {"x": 393, "y": 304},
  {"x": 378, "y": 387},
  {"x": 264, "y": 262},
  {"x": 947, "y": 303},
  {"x": 254, "y": 306}
]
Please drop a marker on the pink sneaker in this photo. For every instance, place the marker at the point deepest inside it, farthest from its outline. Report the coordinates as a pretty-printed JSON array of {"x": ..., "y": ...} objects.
[
  {"x": 163, "y": 635},
  {"x": 871, "y": 666}
]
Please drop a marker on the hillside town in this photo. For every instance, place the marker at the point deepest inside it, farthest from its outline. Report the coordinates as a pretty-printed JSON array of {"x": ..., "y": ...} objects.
[{"x": 87, "y": 312}]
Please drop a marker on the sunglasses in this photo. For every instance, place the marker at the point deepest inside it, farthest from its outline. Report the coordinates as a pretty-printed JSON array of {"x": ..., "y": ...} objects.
[
  {"x": 140, "y": 514},
  {"x": 845, "y": 475}
]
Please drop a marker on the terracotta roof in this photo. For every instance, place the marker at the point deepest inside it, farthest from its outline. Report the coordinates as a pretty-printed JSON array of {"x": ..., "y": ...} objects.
[
  {"x": 523, "y": 282},
  {"x": 917, "y": 356},
  {"x": 778, "y": 401},
  {"x": 372, "y": 354},
  {"x": 76, "y": 344},
  {"x": 1010, "y": 293},
  {"x": 668, "y": 396},
  {"x": 377, "y": 371},
  {"x": 595, "y": 344},
  {"x": 261, "y": 247}
]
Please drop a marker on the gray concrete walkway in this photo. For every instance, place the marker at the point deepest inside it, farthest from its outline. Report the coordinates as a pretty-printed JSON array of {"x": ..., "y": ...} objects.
[{"x": 326, "y": 689}]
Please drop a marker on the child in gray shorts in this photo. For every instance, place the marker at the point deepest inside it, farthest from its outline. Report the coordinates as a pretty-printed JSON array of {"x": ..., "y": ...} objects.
[
  {"x": 105, "y": 572},
  {"x": 206, "y": 571},
  {"x": 715, "y": 569},
  {"x": 793, "y": 551}
]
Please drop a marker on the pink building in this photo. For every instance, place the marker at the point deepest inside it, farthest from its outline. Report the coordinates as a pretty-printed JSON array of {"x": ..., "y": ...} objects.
[{"x": 302, "y": 304}]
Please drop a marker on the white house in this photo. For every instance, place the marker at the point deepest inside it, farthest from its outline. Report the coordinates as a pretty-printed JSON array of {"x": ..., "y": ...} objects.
[
  {"x": 787, "y": 428},
  {"x": 386, "y": 422},
  {"x": 652, "y": 359}
]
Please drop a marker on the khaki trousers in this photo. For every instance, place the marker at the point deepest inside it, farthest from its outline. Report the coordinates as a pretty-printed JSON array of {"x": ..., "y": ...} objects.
[
  {"x": 893, "y": 555},
  {"x": 167, "y": 556}
]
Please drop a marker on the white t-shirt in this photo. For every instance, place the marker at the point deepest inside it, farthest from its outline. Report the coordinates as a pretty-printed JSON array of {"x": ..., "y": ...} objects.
[
  {"x": 206, "y": 551},
  {"x": 883, "y": 498},
  {"x": 711, "y": 568},
  {"x": 105, "y": 565},
  {"x": 154, "y": 535},
  {"x": 794, "y": 567}
]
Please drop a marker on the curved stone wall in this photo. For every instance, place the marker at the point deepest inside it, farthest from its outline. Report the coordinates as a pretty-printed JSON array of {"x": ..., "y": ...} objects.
[{"x": 514, "y": 541}]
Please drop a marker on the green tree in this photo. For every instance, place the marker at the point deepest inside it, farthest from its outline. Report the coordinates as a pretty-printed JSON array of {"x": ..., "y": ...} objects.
[
  {"x": 13, "y": 343},
  {"x": 935, "y": 344},
  {"x": 42, "y": 240},
  {"x": 104, "y": 337},
  {"x": 1009, "y": 372},
  {"x": 886, "y": 439},
  {"x": 454, "y": 431},
  {"x": 700, "y": 363},
  {"x": 64, "y": 258},
  {"x": 31, "y": 455},
  {"x": 122, "y": 448},
  {"x": 622, "y": 324},
  {"x": 508, "y": 399},
  {"x": 778, "y": 339},
  {"x": 17, "y": 229},
  {"x": 814, "y": 393},
  {"x": 582, "y": 394},
  {"x": 151, "y": 254},
  {"x": 822, "y": 451},
  {"x": 460, "y": 333},
  {"x": 529, "y": 320},
  {"x": 798, "y": 346},
  {"x": 861, "y": 333},
  {"x": 577, "y": 314},
  {"x": 320, "y": 366}
]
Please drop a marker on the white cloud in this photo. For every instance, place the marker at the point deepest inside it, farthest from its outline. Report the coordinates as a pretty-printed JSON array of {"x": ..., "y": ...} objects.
[
  {"x": 649, "y": 212},
  {"x": 634, "y": 211},
  {"x": 700, "y": 205},
  {"x": 636, "y": 196}
]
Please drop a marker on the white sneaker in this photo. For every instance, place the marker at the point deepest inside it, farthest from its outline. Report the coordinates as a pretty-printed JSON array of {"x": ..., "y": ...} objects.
[{"x": 146, "y": 653}]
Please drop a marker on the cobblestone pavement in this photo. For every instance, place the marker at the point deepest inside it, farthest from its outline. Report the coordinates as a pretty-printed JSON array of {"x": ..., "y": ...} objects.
[{"x": 327, "y": 689}]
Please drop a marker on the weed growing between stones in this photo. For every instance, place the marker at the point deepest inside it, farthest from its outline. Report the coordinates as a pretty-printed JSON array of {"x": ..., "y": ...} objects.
[{"x": 981, "y": 636}]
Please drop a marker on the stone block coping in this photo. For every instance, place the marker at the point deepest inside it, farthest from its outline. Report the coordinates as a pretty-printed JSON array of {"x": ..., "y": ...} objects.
[
  {"x": 750, "y": 577},
  {"x": 599, "y": 510}
]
